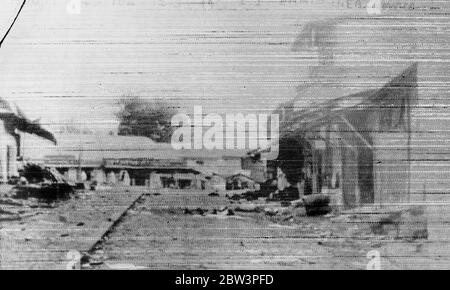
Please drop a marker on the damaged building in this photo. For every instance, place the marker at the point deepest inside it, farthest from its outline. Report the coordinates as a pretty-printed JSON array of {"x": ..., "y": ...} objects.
[
  {"x": 373, "y": 127},
  {"x": 13, "y": 126},
  {"x": 133, "y": 161},
  {"x": 359, "y": 146}
]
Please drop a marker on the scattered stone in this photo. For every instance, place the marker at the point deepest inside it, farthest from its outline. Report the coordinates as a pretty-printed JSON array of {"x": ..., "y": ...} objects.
[
  {"x": 297, "y": 203},
  {"x": 288, "y": 218},
  {"x": 198, "y": 211},
  {"x": 271, "y": 211},
  {"x": 248, "y": 208},
  {"x": 201, "y": 211},
  {"x": 236, "y": 196},
  {"x": 230, "y": 212}
]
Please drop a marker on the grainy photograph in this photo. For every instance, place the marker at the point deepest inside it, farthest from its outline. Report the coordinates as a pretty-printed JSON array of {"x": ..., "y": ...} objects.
[{"x": 224, "y": 135}]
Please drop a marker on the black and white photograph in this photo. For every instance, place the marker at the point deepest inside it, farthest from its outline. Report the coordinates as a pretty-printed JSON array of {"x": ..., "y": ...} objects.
[{"x": 224, "y": 135}]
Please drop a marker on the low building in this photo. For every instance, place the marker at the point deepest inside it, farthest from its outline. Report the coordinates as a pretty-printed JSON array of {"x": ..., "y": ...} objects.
[{"x": 132, "y": 160}]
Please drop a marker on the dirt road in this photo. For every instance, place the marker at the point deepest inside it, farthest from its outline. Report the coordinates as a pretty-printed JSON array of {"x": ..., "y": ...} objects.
[
  {"x": 159, "y": 233},
  {"x": 191, "y": 230},
  {"x": 43, "y": 241}
]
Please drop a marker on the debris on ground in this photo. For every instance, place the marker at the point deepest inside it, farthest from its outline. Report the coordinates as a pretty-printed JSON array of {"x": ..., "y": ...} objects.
[
  {"x": 92, "y": 259},
  {"x": 15, "y": 210},
  {"x": 196, "y": 211},
  {"x": 297, "y": 203},
  {"x": 43, "y": 183},
  {"x": 214, "y": 193},
  {"x": 286, "y": 195},
  {"x": 271, "y": 211},
  {"x": 248, "y": 208},
  {"x": 94, "y": 185},
  {"x": 240, "y": 181},
  {"x": 248, "y": 195},
  {"x": 10, "y": 201},
  {"x": 226, "y": 212},
  {"x": 408, "y": 223},
  {"x": 317, "y": 204}
]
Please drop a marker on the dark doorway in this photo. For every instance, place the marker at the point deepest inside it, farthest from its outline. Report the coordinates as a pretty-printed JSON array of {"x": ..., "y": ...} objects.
[
  {"x": 349, "y": 176},
  {"x": 365, "y": 175}
]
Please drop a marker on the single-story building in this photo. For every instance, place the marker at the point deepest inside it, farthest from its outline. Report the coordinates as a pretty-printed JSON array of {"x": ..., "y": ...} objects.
[{"x": 133, "y": 160}]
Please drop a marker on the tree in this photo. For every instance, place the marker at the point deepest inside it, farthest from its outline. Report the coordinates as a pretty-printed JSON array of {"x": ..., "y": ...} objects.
[{"x": 149, "y": 118}]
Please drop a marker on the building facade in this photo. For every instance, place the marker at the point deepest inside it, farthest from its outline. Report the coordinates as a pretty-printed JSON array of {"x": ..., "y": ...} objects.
[
  {"x": 359, "y": 146},
  {"x": 133, "y": 161}
]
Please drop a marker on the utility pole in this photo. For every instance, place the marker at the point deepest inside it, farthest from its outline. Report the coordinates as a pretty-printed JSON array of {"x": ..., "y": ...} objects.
[{"x": 12, "y": 24}]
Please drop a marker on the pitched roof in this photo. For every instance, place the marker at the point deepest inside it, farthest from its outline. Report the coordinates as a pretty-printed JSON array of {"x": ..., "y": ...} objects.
[{"x": 314, "y": 115}]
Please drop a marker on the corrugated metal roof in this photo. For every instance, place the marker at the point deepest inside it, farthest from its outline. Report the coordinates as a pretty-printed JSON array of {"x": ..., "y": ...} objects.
[
  {"x": 92, "y": 149},
  {"x": 314, "y": 115}
]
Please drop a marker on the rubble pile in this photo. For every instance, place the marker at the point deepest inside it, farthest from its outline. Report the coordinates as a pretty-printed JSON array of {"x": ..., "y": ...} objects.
[
  {"x": 317, "y": 204},
  {"x": 222, "y": 211},
  {"x": 408, "y": 223},
  {"x": 15, "y": 210},
  {"x": 314, "y": 204},
  {"x": 42, "y": 183}
]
